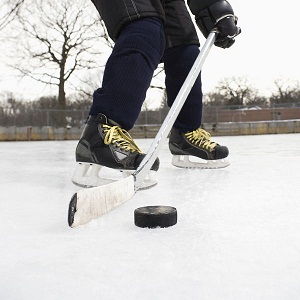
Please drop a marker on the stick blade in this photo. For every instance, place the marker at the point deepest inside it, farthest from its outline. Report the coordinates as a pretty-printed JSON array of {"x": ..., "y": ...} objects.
[{"x": 89, "y": 204}]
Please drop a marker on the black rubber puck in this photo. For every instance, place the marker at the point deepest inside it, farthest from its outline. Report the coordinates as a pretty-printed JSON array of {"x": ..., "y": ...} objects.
[{"x": 155, "y": 216}]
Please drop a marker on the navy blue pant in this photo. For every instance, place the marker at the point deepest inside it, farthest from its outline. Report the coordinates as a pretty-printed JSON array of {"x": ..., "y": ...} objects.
[{"x": 137, "y": 52}]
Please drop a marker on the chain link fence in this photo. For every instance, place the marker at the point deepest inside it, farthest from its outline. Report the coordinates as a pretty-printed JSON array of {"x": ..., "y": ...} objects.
[
  {"x": 42, "y": 117},
  {"x": 73, "y": 118},
  {"x": 211, "y": 115}
]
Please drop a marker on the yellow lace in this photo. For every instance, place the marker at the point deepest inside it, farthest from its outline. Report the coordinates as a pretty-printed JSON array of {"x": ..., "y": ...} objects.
[
  {"x": 120, "y": 137},
  {"x": 200, "y": 137}
]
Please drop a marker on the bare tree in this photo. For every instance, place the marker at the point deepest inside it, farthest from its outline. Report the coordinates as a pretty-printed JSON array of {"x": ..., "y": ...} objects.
[
  {"x": 213, "y": 98},
  {"x": 237, "y": 91},
  {"x": 286, "y": 92},
  {"x": 8, "y": 11},
  {"x": 56, "y": 39}
]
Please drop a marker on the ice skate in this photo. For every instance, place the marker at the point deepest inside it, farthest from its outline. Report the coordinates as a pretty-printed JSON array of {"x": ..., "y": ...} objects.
[
  {"x": 106, "y": 153},
  {"x": 194, "y": 149}
]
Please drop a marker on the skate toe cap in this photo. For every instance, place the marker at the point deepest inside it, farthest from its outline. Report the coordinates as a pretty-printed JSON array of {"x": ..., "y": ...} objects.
[
  {"x": 155, "y": 165},
  {"x": 221, "y": 152}
]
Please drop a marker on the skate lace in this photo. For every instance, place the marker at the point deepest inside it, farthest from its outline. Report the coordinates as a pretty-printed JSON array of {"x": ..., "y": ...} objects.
[
  {"x": 200, "y": 137},
  {"x": 120, "y": 137}
]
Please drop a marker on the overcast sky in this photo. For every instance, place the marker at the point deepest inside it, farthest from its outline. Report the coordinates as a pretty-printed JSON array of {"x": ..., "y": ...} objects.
[{"x": 267, "y": 49}]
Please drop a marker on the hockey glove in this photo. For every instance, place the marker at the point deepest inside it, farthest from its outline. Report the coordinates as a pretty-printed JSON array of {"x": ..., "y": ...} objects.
[{"x": 219, "y": 16}]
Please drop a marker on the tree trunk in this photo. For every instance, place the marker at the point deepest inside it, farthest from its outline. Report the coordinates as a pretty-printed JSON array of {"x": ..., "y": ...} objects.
[
  {"x": 61, "y": 92},
  {"x": 61, "y": 117}
]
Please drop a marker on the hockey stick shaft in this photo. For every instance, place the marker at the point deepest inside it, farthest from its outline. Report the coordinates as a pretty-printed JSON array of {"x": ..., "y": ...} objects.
[{"x": 174, "y": 111}]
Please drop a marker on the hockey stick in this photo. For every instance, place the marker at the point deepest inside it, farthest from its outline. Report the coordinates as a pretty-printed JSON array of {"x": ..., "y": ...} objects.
[{"x": 89, "y": 204}]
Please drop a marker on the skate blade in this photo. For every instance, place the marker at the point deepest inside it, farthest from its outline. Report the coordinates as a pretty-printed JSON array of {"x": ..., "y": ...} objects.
[
  {"x": 88, "y": 175},
  {"x": 184, "y": 161}
]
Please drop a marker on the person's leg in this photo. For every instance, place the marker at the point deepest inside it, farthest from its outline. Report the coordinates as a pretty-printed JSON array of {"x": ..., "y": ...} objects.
[
  {"x": 178, "y": 62},
  {"x": 186, "y": 138},
  {"x": 129, "y": 71},
  {"x": 182, "y": 49},
  {"x": 117, "y": 104}
]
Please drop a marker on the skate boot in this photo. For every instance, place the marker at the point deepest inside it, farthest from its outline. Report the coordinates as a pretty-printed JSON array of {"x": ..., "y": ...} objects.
[
  {"x": 106, "y": 153},
  {"x": 197, "y": 145}
]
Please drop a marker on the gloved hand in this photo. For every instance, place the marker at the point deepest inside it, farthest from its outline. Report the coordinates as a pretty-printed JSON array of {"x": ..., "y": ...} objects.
[{"x": 219, "y": 16}]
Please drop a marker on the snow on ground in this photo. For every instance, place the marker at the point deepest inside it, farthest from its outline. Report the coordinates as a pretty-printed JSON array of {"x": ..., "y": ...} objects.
[{"x": 237, "y": 236}]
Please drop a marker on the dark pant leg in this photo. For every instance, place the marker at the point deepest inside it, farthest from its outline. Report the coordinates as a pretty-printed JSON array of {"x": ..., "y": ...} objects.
[
  {"x": 178, "y": 62},
  {"x": 182, "y": 50},
  {"x": 129, "y": 71}
]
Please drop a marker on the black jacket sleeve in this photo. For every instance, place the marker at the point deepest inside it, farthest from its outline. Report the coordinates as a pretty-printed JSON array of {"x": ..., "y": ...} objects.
[{"x": 197, "y": 5}]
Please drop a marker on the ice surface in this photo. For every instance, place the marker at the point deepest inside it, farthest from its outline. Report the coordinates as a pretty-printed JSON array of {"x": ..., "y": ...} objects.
[{"x": 237, "y": 236}]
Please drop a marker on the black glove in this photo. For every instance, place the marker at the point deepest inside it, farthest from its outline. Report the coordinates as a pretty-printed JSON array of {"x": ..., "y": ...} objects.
[{"x": 219, "y": 16}]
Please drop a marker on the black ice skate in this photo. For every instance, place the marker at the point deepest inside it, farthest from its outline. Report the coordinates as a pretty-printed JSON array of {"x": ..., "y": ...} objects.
[
  {"x": 196, "y": 144},
  {"x": 104, "y": 143}
]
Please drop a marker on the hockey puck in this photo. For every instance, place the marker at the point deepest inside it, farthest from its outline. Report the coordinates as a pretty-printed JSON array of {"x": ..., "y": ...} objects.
[{"x": 155, "y": 216}]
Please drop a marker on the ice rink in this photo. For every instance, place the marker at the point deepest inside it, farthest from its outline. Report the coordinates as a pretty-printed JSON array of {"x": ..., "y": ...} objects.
[{"x": 237, "y": 236}]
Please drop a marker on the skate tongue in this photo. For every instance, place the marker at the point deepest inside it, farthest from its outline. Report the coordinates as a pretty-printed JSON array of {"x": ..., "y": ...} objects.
[
  {"x": 111, "y": 122},
  {"x": 105, "y": 120}
]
